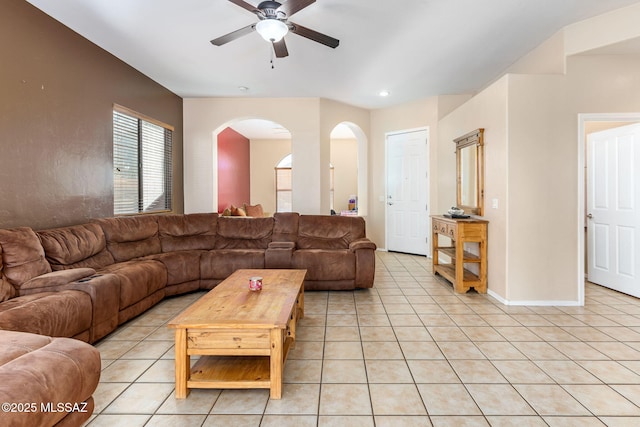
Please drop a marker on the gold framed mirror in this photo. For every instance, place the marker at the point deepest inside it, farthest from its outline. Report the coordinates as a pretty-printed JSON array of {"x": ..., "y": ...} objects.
[{"x": 470, "y": 172}]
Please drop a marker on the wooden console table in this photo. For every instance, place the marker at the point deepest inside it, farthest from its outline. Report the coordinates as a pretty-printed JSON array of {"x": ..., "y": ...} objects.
[{"x": 461, "y": 231}]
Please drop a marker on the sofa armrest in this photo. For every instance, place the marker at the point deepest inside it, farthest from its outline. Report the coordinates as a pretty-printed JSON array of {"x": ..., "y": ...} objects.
[
  {"x": 54, "y": 281},
  {"x": 365, "y": 251},
  {"x": 104, "y": 291},
  {"x": 361, "y": 244},
  {"x": 278, "y": 255}
]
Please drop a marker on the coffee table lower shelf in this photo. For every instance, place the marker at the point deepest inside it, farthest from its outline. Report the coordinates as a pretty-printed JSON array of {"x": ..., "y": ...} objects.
[
  {"x": 234, "y": 372},
  {"x": 230, "y": 372}
]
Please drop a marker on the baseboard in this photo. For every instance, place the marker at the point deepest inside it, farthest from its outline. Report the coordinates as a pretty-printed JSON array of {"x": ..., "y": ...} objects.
[{"x": 534, "y": 302}]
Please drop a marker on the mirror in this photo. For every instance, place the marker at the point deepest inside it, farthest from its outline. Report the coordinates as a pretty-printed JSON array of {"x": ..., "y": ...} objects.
[{"x": 470, "y": 174}]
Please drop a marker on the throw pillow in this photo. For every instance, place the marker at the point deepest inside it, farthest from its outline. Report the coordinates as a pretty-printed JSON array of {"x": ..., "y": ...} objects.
[
  {"x": 237, "y": 211},
  {"x": 255, "y": 210}
]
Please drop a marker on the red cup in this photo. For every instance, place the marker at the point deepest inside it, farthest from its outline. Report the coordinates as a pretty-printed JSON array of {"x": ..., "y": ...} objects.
[{"x": 255, "y": 283}]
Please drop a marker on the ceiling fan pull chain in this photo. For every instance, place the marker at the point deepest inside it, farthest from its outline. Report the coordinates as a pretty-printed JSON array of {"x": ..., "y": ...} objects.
[{"x": 272, "y": 65}]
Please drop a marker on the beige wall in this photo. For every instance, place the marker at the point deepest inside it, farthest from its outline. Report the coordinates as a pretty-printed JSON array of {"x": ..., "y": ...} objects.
[
  {"x": 359, "y": 121},
  {"x": 603, "y": 30},
  {"x": 542, "y": 192},
  {"x": 532, "y": 161},
  {"x": 265, "y": 156},
  {"x": 204, "y": 117},
  {"x": 344, "y": 158},
  {"x": 419, "y": 114},
  {"x": 310, "y": 121},
  {"x": 266, "y": 153},
  {"x": 532, "y": 151},
  {"x": 486, "y": 110}
]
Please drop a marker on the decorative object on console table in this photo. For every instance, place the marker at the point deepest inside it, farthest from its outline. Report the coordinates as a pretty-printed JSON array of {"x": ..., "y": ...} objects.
[
  {"x": 456, "y": 212},
  {"x": 461, "y": 231}
]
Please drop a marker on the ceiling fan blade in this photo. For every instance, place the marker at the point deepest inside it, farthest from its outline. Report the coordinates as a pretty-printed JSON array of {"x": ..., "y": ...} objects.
[
  {"x": 233, "y": 35},
  {"x": 243, "y": 4},
  {"x": 314, "y": 35},
  {"x": 280, "y": 48},
  {"x": 293, "y": 6}
]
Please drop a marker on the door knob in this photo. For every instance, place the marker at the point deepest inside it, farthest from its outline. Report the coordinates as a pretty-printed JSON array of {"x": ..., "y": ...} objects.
[
  {"x": 589, "y": 216},
  {"x": 390, "y": 203}
]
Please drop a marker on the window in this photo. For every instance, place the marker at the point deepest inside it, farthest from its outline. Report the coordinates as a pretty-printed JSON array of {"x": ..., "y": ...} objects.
[
  {"x": 142, "y": 163},
  {"x": 283, "y": 185}
]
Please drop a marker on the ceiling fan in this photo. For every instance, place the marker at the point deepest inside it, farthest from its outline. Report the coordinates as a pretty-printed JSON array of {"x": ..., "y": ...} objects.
[{"x": 274, "y": 24}]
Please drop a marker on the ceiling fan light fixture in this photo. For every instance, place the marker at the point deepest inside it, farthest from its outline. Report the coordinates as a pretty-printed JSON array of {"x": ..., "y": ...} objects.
[{"x": 272, "y": 30}]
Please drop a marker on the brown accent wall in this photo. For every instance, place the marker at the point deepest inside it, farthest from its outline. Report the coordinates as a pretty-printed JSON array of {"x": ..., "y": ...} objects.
[{"x": 57, "y": 91}]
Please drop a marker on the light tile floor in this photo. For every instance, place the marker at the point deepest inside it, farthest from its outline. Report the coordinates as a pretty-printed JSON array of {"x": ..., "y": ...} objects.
[{"x": 408, "y": 352}]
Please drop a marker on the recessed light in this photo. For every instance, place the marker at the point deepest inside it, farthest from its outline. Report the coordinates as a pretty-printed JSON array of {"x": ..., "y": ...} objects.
[
  {"x": 384, "y": 93},
  {"x": 243, "y": 88}
]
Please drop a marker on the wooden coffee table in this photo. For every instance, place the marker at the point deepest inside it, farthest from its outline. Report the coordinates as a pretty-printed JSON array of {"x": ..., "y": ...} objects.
[{"x": 242, "y": 336}]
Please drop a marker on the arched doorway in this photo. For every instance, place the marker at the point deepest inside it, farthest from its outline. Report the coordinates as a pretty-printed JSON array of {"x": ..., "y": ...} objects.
[
  {"x": 349, "y": 158},
  {"x": 264, "y": 143},
  {"x": 284, "y": 185}
]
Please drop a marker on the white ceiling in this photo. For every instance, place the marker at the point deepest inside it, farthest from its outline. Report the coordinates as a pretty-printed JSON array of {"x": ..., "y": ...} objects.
[{"x": 413, "y": 48}]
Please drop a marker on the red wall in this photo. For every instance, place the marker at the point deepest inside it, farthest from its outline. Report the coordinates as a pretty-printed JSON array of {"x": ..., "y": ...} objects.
[{"x": 233, "y": 169}]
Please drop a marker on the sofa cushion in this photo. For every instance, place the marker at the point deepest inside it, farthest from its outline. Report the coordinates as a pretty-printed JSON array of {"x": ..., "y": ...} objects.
[
  {"x": 323, "y": 264},
  {"x": 187, "y": 232},
  {"x": 131, "y": 237},
  {"x": 329, "y": 232},
  {"x": 76, "y": 246},
  {"x": 22, "y": 255},
  {"x": 244, "y": 233},
  {"x": 220, "y": 263},
  {"x": 138, "y": 279},
  {"x": 57, "y": 314},
  {"x": 182, "y": 266},
  {"x": 285, "y": 226},
  {"x": 35, "y": 369}
]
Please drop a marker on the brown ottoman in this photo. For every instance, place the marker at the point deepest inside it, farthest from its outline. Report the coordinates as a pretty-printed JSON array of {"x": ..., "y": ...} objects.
[{"x": 46, "y": 381}]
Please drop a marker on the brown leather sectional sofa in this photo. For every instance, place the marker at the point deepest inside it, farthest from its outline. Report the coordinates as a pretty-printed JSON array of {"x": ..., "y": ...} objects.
[
  {"x": 46, "y": 381},
  {"x": 83, "y": 281}
]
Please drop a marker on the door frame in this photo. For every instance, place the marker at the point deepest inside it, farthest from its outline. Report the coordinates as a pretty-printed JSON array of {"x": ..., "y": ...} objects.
[
  {"x": 386, "y": 189},
  {"x": 582, "y": 164}
]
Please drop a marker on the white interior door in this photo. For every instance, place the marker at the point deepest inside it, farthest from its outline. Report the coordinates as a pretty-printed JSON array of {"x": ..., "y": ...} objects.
[
  {"x": 613, "y": 214},
  {"x": 407, "y": 192}
]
